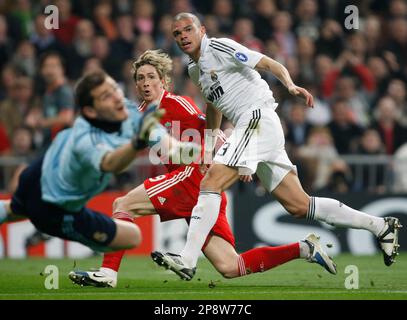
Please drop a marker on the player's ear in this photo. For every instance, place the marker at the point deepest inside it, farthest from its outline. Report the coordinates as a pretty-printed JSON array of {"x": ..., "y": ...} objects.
[{"x": 89, "y": 112}]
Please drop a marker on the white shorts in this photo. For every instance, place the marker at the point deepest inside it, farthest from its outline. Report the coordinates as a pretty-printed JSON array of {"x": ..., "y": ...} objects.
[{"x": 257, "y": 144}]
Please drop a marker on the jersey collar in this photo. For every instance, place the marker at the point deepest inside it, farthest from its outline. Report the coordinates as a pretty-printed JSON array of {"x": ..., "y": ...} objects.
[{"x": 204, "y": 44}]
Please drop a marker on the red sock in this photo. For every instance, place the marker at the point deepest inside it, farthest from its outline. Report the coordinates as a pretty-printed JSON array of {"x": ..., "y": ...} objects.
[
  {"x": 112, "y": 260},
  {"x": 265, "y": 258}
]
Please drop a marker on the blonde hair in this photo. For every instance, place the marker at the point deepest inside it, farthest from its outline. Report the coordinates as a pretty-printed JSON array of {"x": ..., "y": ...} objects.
[{"x": 159, "y": 60}]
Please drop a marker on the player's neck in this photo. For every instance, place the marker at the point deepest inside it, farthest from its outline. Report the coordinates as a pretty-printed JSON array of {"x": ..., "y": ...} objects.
[
  {"x": 107, "y": 126},
  {"x": 195, "y": 55}
]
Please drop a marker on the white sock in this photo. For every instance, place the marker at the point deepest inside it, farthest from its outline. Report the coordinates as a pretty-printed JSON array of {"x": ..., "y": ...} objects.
[
  {"x": 304, "y": 249},
  {"x": 338, "y": 214},
  {"x": 3, "y": 212},
  {"x": 203, "y": 218},
  {"x": 109, "y": 272}
]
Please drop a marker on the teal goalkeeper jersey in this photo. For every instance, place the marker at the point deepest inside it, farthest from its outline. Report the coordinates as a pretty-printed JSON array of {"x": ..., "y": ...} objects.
[{"x": 71, "y": 173}]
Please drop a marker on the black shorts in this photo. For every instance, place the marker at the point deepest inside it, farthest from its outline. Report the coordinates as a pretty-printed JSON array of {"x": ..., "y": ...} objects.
[{"x": 88, "y": 227}]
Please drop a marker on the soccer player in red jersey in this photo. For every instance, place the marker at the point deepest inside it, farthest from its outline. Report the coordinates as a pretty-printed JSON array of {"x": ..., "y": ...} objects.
[{"x": 173, "y": 195}]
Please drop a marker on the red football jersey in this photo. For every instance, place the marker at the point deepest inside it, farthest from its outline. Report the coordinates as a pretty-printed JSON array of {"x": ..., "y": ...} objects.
[{"x": 181, "y": 114}]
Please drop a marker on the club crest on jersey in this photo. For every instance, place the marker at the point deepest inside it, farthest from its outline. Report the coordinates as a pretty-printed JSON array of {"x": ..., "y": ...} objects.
[
  {"x": 216, "y": 91},
  {"x": 241, "y": 56},
  {"x": 214, "y": 76}
]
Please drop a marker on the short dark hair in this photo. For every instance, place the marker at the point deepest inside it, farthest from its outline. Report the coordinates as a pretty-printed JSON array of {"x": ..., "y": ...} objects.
[
  {"x": 44, "y": 56},
  {"x": 85, "y": 85}
]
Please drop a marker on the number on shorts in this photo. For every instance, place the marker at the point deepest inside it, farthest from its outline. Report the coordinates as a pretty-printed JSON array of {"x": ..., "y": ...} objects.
[
  {"x": 224, "y": 148},
  {"x": 157, "y": 178}
]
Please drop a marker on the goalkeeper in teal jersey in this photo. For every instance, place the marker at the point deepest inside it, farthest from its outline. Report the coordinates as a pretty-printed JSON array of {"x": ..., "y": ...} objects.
[{"x": 105, "y": 138}]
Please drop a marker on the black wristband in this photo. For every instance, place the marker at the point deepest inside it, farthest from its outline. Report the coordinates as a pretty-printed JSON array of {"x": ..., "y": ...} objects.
[{"x": 138, "y": 144}]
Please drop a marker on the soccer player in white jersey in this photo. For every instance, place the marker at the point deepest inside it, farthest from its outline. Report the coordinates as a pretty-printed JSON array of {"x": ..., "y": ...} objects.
[{"x": 226, "y": 73}]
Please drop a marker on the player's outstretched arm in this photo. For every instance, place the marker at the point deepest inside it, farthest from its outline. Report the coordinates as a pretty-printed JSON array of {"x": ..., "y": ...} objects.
[
  {"x": 276, "y": 68},
  {"x": 118, "y": 160}
]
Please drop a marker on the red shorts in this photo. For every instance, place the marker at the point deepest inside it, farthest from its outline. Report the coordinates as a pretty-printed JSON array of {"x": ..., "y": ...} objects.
[{"x": 175, "y": 194}]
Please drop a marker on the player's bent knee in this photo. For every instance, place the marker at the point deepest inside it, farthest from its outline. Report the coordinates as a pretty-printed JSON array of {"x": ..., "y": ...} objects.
[
  {"x": 117, "y": 203},
  {"x": 298, "y": 210}
]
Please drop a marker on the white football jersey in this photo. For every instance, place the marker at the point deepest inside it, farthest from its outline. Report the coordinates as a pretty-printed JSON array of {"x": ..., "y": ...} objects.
[{"x": 226, "y": 76}]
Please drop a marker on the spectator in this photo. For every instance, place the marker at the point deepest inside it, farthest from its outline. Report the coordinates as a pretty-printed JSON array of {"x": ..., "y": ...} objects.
[
  {"x": 320, "y": 114},
  {"x": 298, "y": 128},
  {"x": 143, "y": 17},
  {"x": 164, "y": 38},
  {"x": 22, "y": 146},
  {"x": 124, "y": 44},
  {"x": 92, "y": 64},
  {"x": 23, "y": 14},
  {"x": 344, "y": 130},
  {"x": 212, "y": 26},
  {"x": 81, "y": 48},
  {"x": 110, "y": 62},
  {"x": 318, "y": 155},
  {"x": 58, "y": 101},
  {"x": 370, "y": 177},
  {"x": 397, "y": 9},
  {"x": 243, "y": 33},
  {"x": 264, "y": 12},
  {"x": 67, "y": 22},
  {"x": 346, "y": 89},
  {"x": 9, "y": 75},
  {"x": 308, "y": 23},
  {"x": 127, "y": 83},
  {"x": 20, "y": 106},
  {"x": 6, "y": 44},
  {"x": 43, "y": 38},
  {"x": 25, "y": 58},
  {"x": 400, "y": 169},
  {"x": 398, "y": 40},
  {"x": 381, "y": 73},
  {"x": 103, "y": 20},
  {"x": 330, "y": 42},
  {"x": 393, "y": 134},
  {"x": 306, "y": 52},
  {"x": 144, "y": 42},
  {"x": 283, "y": 35},
  {"x": 340, "y": 179},
  {"x": 4, "y": 141},
  {"x": 398, "y": 91},
  {"x": 373, "y": 35},
  {"x": 223, "y": 11}
]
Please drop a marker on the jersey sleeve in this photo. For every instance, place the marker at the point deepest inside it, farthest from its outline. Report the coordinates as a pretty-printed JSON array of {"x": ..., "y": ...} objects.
[
  {"x": 235, "y": 53},
  {"x": 90, "y": 152}
]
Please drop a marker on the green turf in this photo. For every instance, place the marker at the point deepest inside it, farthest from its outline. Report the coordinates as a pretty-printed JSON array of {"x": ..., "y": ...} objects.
[{"x": 140, "y": 278}]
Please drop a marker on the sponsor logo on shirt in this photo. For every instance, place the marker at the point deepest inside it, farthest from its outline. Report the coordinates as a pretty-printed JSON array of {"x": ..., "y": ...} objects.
[
  {"x": 241, "y": 56},
  {"x": 216, "y": 89},
  {"x": 162, "y": 200}
]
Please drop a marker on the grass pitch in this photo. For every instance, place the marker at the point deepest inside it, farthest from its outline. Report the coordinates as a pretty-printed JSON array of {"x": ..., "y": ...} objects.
[{"x": 140, "y": 278}]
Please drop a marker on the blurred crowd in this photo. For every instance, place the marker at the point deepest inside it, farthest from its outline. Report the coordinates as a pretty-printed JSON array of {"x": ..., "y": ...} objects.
[{"x": 357, "y": 76}]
